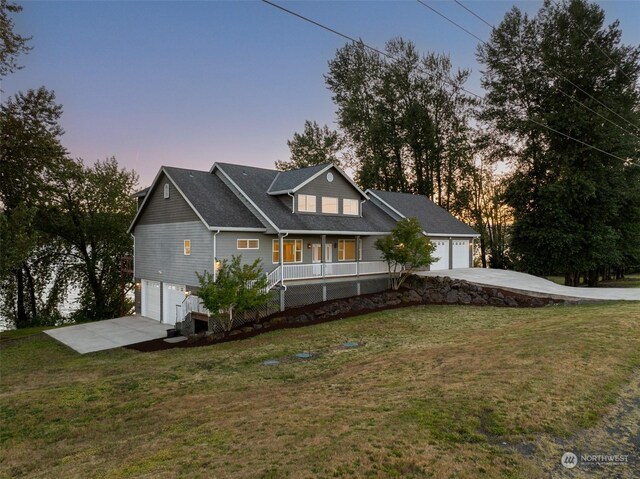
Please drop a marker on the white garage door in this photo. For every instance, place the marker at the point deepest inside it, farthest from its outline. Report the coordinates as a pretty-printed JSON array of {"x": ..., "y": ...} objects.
[
  {"x": 441, "y": 252},
  {"x": 173, "y": 294},
  {"x": 461, "y": 253},
  {"x": 151, "y": 299}
]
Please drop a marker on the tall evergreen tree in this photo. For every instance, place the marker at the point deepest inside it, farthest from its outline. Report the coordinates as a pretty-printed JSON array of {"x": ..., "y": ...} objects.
[
  {"x": 405, "y": 117},
  {"x": 568, "y": 199}
]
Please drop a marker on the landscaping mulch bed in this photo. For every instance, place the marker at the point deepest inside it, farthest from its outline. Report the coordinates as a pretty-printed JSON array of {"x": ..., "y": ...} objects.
[{"x": 161, "y": 345}]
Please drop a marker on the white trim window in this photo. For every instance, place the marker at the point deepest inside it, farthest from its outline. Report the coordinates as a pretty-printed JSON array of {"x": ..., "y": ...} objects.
[
  {"x": 350, "y": 207},
  {"x": 247, "y": 244},
  {"x": 329, "y": 204},
  {"x": 292, "y": 251},
  {"x": 346, "y": 250},
  {"x": 166, "y": 190},
  {"x": 307, "y": 203},
  {"x": 186, "y": 247}
]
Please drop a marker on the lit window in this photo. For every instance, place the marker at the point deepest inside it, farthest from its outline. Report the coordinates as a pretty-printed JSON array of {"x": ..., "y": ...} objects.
[
  {"x": 346, "y": 250},
  {"x": 187, "y": 247},
  {"x": 166, "y": 190},
  {"x": 329, "y": 204},
  {"x": 307, "y": 203},
  {"x": 350, "y": 207},
  {"x": 292, "y": 251},
  {"x": 248, "y": 244}
]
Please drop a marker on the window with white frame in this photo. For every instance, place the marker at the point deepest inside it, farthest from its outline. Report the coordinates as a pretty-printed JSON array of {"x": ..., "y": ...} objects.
[
  {"x": 186, "y": 247},
  {"x": 307, "y": 203},
  {"x": 329, "y": 204},
  {"x": 248, "y": 244},
  {"x": 350, "y": 207},
  {"x": 166, "y": 190},
  {"x": 292, "y": 251},
  {"x": 346, "y": 250}
]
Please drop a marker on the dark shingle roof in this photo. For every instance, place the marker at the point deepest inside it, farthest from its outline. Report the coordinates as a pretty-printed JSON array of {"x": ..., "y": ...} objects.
[
  {"x": 255, "y": 183},
  {"x": 433, "y": 218},
  {"x": 141, "y": 194},
  {"x": 288, "y": 180},
  {"x": 212, "y": 199}
]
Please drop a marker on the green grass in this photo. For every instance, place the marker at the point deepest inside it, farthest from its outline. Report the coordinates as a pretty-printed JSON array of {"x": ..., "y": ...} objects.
[
  {"x": 630, "y": 281},
  {"x": 433, "y": 393},
  {"x": 21, "y": 333}
]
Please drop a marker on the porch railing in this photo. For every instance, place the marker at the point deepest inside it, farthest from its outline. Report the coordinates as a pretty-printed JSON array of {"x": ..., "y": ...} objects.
[{"x": 329, "y": 270}]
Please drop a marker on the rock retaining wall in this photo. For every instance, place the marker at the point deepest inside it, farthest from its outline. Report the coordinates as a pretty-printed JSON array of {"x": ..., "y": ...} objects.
[{"x": 416, "y": 290}]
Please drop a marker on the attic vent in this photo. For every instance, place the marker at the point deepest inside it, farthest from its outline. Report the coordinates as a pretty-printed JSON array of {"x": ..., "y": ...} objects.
[{"x": 166, "y": 190}]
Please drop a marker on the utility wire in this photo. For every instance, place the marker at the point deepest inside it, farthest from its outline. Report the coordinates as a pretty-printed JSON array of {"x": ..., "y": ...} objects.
[
  {"x": 360, "y": 42},
  {"x": 598, "y": 46},
  {"x": 552, "y": 70}
]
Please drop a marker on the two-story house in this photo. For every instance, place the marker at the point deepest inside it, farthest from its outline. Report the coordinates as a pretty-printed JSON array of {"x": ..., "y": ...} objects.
[{"x": 311, "y": 227}]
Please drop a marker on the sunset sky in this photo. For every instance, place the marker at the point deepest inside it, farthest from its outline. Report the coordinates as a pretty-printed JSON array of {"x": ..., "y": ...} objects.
[{"x": 190, "y": 83}]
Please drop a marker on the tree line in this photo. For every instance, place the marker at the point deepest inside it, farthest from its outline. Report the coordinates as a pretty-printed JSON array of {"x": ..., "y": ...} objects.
[
  {"x": 545, "y": 165},
  {"x": 63, "y": 223}
]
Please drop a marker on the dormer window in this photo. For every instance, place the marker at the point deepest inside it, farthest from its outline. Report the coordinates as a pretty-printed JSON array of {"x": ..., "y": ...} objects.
[
  {"x": 166, "y": 190},
  {"x": 350, "y": 207},
  {"x": 329, "y": 204},
  {"x": 307, "y": 203}
]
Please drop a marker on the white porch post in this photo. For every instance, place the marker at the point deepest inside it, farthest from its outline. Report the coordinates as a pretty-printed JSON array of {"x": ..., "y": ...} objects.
[
  {"x": 358, "y": 256},
  {"x": 323, "y": 254}
]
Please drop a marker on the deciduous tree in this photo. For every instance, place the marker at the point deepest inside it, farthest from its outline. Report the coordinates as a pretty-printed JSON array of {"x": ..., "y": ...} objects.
[{"x": 405, "y": 250}]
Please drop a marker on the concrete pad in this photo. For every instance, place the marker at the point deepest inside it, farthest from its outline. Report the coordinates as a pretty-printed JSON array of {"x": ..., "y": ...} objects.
[
  {"x": 109, "y": 334},
  {"x": 533, "y": 285}
]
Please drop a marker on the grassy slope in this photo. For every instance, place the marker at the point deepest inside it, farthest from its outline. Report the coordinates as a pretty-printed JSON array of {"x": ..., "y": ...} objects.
[
  {"x": 630, "y": 281},
  {"x": 434, "y": 393}
]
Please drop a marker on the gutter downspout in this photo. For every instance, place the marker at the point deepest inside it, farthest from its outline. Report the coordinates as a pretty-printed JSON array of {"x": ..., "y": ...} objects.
[
  {"x": 293, "y": 202},
  {"x": 215, "y": 253}
]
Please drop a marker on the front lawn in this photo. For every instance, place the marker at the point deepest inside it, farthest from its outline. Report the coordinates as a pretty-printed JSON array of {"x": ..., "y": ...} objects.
[{"x": 436, "y": 391}]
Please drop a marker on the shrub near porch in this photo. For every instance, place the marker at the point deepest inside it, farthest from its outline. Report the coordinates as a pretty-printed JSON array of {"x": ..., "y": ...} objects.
[{"x": 435, "y": 392}]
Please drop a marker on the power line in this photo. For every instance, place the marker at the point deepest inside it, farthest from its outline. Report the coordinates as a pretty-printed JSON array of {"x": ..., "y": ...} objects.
[
  {"x": 552, "y": 70},
  {"x": 599, "y": 47},
  {"x": 324, "y": 27},
  {"x": 360, "y": 42}
]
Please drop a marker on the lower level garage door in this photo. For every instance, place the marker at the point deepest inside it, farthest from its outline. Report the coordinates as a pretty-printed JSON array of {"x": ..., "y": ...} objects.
[
  {"x": 151, "y": 299},
  {"x": 442, "y": 253},
  {"x": 461, "y": 253},
  {"x": 173, "y": 295}
]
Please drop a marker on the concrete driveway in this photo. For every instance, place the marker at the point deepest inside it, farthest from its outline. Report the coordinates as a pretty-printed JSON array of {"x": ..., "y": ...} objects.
[
  {"x": 526, "y": 283},
  {"x": 109, "y": 333}
]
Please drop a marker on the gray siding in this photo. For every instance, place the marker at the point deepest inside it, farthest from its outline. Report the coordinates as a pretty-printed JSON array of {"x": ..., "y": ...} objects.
[
  {"x": 226, "y": 246},
  {"x": 166, "y": 210},
  {"x": 369, "y": 251},
  {"x": 339, "y": 188},
  {"x": 159, "y": 252}
]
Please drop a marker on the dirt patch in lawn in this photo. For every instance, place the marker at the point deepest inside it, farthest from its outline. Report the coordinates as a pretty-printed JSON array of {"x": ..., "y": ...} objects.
[{"x": 617, "y": 433}]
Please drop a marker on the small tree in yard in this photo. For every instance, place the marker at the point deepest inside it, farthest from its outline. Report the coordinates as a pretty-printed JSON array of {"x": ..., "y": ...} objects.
[
  {"x": 237, "y": 289},
  {"x": 405, "y": 250}
]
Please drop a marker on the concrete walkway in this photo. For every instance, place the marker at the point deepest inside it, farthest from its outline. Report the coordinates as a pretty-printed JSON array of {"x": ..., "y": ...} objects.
[
  {"x": 109, "y": 333},
  {"x": 526, "y": 283}
]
